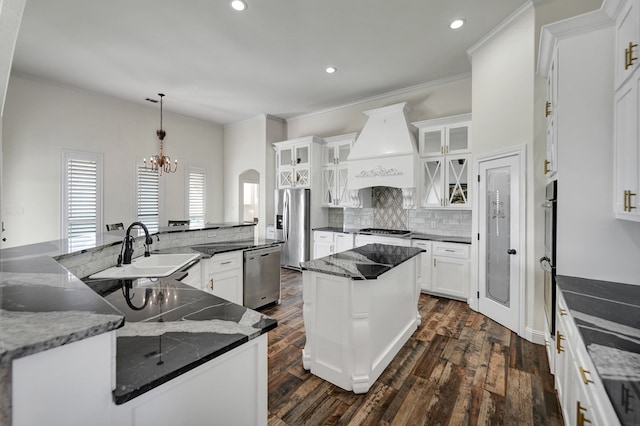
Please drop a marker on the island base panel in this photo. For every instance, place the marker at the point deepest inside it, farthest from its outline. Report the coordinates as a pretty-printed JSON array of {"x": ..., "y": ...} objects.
[{"x": 356, "y": 327}]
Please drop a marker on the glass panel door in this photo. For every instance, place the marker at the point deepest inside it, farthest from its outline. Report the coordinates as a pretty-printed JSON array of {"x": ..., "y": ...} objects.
[
  {"x": 328, "y": 180},
  {"x": 432, "y": 141},
  {"x": 286, "y": 157},
  {"x": 498, "y": 241},
  {"x": 432, "y": 183},
  {"x": 457, "y": 179}
]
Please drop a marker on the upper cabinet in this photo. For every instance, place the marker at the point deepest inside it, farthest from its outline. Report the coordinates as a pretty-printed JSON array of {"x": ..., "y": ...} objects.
[
  {"x": 445, "y": 151},
  {"x": 451, "y": 135},
  {"x": 334, "y": 170},
  {"x": 627, "y": 37},
  {"x": 626, "y": 112},
  {"x": 550, "y": 108},
  {"x": 295, "y": 161}
]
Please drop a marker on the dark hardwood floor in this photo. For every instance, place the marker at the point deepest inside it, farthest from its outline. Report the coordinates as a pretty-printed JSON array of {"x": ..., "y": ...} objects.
[{"x": 458, "y": 368}]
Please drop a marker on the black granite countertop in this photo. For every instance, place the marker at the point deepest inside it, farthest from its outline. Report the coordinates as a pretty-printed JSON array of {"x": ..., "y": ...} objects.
[
  {"x": 607, "y": 315},
  {"x": 367, "y": 262},
  {"x": 410, "y": 235},
  {"x": 211, "y": 249},
  {"x": 43, "y": 306},
  {"x": 171, "y": 328}
]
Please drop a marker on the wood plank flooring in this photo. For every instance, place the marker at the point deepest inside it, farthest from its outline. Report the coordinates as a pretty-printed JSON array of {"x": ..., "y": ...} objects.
[{"x": 458, "y": 368}]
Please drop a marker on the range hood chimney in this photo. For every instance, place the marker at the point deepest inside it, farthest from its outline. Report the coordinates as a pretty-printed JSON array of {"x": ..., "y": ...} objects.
[{"x": 385, "y": 153}]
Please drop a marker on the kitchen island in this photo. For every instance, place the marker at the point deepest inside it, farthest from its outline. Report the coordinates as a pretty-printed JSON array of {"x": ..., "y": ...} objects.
[
  {"x": 360, "y": 307},
  {"x": 123, "y": 352}
]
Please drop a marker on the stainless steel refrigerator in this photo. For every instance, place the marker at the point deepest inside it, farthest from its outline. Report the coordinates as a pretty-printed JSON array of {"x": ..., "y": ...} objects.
[{"x": 293, "y": 225}]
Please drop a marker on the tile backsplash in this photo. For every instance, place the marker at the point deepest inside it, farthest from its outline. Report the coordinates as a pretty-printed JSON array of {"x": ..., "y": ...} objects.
[{"x": 387, "y": 212}]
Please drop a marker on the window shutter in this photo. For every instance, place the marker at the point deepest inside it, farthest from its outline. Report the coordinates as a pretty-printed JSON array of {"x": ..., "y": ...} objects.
[
  {"x": 148, "y": 199},
  {"x": 196, "y": 202},
  {"x": 82, "y": 194}
]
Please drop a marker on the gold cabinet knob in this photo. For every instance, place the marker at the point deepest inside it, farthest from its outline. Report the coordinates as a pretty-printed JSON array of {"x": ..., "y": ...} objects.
[
  {"x": 547, "y": 109},
  {"x": 546, "y": 166},
  {"x": 211, "y": 283}
]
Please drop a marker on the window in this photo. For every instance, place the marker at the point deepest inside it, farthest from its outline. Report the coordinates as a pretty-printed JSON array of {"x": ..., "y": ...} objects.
[
  {"x": 148, "y": 197},
  {"x": 196, "y": 178},
  {"x": 81, "y": 193}
]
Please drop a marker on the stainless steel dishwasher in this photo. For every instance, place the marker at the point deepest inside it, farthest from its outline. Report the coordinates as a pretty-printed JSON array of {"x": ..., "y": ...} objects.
[{"x": 261, "y": 277}]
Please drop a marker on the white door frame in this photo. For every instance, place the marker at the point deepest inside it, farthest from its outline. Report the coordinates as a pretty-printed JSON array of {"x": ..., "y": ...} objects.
[{"x": 521, "y": 153}]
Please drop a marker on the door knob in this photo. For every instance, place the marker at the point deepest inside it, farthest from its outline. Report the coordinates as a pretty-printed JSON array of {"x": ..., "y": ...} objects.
[{"x": 511, "y": 251}]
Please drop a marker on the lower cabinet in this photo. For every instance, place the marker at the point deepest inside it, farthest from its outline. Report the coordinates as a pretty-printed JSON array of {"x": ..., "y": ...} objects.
[
  {"x": 327, "y": 242},
  {"x": 581, "y": 393},
  {"x": 362, "y": 240},
  {"x": 194, "y": 277},
  {"x": 423, "y": 266},
  {"x": 450, "y": 270},
  {"x": 223, "y": 276}
]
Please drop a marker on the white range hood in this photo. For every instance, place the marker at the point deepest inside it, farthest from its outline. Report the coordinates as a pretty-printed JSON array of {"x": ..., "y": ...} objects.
[{"x": 385, "y": 153}]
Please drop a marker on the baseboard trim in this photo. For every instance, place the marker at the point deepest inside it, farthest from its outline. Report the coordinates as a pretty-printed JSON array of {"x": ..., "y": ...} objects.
[{"x": 534, "y": 336}]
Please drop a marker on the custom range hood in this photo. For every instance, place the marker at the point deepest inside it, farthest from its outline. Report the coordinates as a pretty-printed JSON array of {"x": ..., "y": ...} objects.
[{"x": 385, "y": 153}]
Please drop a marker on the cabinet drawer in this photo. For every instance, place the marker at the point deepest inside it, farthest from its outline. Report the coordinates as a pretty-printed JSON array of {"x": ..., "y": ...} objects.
[
  {"x": 460, "y": 251},
  {"x": 324, "y": 236},
  {"x": 225, "y": 261},
  {"x": 425, "y": 245}
]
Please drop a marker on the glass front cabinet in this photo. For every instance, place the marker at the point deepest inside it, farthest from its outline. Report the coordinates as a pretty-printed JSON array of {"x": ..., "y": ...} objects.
[
  {"x": 445, "y": 156},
  {"x": 294, "y": 162},
  {"x": 335, "y": 153}
]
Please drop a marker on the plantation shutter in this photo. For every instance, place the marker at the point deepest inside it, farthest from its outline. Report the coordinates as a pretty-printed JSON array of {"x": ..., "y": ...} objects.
[
  {"x": 196, "y": 201},
  {"x": 82, "y": 192},
  {"x": 148, "y": 198}
]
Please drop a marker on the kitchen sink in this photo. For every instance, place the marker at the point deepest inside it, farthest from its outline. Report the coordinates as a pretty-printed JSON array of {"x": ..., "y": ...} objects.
[{"x": 154, "y": 266}]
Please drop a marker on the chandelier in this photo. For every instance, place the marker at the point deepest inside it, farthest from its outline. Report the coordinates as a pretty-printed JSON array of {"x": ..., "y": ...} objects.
[{"x": 160, "y": 162}]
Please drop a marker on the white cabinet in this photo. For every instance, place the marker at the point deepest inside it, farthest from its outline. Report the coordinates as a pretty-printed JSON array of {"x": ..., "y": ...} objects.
[
  {"x": 223, "y": 276},
  {"x": 297, "y": 160},
  {"x": 626, "y": 113},
  {"x": 423, "y": 269},
  {"x": 362, "y": 240},
  {"x": 550, "y": 108},
  {"x": 444, "y": 136},
  {"x": 445, "y": 181},
  {"x": 335, "y": 152},
  {"x": 445, "y": 151},
  {"x": 322, "y": 244},
  {"x": 626, "y": 44},
  {"x": 342, "y": 241},
  {"x": 194, "y": 276},
  {"x": 581, "y": 392},
  {"x": 326, "y": 243},
  {"x": 450, "y": 270}
]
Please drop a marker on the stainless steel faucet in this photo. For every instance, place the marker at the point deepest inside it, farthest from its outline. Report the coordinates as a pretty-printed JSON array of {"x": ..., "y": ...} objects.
[{"x": 127, "y": 244}]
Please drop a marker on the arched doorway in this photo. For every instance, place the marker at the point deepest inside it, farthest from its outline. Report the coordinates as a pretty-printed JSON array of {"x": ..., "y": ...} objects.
[{"x": 249, "y": 204}]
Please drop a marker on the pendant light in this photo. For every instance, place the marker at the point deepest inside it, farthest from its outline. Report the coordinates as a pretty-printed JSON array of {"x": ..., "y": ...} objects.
[{"x": 160, "y": 162}]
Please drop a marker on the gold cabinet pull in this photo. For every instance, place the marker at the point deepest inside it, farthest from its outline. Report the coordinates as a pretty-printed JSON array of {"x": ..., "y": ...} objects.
[
  {"x": 547, "y": 109},
  {"x": 628, "y": 56},
  {"x": 583, "y": 374},
  {"x": 546, "y": 166},
  {"x": 627, "y": 200},
  {"x": 581, "y": 419},
  {"x": 563, "y": 312},
  {"x": 211, "y": 283},
  {"x": 631, "y": 194},
  {"x": 559, "y": 338},
  {"x": 226, "y": 262}
]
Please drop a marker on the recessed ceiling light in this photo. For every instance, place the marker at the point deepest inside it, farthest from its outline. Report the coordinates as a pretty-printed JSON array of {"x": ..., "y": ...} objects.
[
  {"x": 238, "y": 5},
  {"x": 331, "y": 70},
  {"x": 456, "y": 24}
]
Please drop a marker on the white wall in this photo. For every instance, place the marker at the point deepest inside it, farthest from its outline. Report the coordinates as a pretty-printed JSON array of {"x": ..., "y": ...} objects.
[
  {"x": 247, "y": 145},
  {"x": 42, "y": 118},
  {"x": 503, "y": 117}
]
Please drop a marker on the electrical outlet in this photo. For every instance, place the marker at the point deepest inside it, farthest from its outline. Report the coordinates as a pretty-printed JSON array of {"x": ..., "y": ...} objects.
[{"x": 433, "y": 224}]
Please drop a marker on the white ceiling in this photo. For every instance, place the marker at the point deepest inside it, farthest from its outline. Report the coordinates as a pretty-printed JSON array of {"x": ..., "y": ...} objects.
[{"x": 224, "y": 66}]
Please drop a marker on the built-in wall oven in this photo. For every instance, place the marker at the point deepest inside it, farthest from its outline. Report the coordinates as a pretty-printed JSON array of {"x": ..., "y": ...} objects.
[{"x": 548, "y": 261}]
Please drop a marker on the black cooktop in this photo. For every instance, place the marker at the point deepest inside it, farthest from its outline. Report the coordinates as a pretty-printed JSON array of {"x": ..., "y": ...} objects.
[{"x": 384, "y": 231}]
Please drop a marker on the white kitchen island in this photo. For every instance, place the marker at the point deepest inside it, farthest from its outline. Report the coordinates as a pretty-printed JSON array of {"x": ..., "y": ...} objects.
[{"x": 360, "y": 307}]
